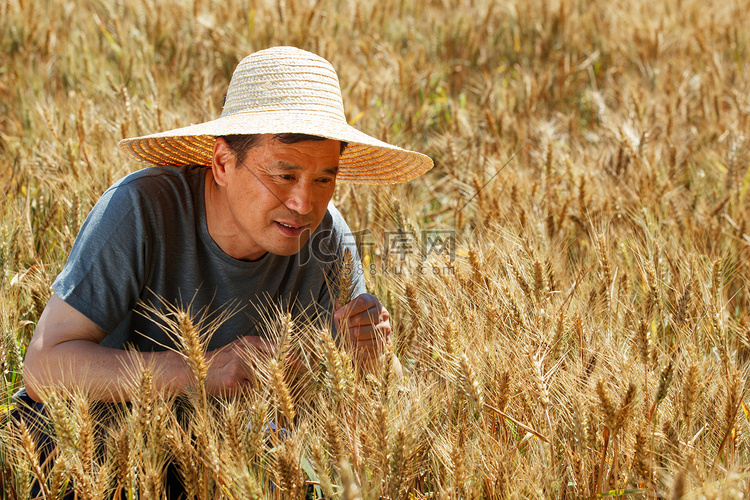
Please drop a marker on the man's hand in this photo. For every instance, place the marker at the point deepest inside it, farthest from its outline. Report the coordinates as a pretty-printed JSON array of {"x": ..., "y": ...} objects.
[
  {"x": 232, "y": 367},
  {"x": 243, "y": 363},
  {"x": 365, "y": 326}
]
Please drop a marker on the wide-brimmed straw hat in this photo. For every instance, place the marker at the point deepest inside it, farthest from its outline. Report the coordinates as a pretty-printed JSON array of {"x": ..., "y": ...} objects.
[{"x": 278, "y": 91}]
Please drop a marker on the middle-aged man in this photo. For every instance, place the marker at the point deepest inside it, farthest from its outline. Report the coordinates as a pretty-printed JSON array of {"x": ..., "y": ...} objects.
[{"x": 234, "y": 212}]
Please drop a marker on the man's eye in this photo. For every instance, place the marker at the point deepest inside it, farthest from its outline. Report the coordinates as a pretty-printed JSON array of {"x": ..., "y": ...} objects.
[
  {"x": 287, "y": 177},
  {"x": 325, "y": 180}
]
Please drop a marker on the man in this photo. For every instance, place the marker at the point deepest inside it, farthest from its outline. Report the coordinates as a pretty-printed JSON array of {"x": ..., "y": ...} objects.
[{"x": 235, "y": 213}]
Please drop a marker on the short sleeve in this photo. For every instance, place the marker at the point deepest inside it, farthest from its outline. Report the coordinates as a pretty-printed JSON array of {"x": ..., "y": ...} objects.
[{"x": 108, "y": 264}]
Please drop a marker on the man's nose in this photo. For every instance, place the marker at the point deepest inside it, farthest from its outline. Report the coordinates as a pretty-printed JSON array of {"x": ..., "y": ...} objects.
[{"x": 300, "y": 198}]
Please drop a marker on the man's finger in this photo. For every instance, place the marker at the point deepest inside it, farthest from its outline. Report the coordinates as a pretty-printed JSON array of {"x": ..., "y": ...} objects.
[
  {"x": 360, "y": 304},
  {"x": 368, "y": 332},
  {"x": 368, "y": 317}
]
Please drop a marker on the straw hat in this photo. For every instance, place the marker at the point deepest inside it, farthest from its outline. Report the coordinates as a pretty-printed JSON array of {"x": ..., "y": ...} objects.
[{"x": 276, "y": 91}]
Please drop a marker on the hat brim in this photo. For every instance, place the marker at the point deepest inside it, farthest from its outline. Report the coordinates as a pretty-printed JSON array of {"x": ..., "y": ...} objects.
[{"x": 365, "y": 160}]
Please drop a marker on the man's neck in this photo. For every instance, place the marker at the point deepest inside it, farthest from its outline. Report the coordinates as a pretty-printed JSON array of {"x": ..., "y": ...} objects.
[{"x": 218, "y": 221}]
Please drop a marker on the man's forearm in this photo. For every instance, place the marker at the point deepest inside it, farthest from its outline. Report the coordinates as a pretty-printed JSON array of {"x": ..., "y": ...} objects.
[{"x": 104, "y": 373}]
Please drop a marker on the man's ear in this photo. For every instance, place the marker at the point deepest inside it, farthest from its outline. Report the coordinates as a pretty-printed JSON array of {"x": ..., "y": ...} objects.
[{"x": 223, "y": 161}]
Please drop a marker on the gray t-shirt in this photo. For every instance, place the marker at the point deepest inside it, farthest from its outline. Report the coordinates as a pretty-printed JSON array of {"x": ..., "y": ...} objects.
[{"x": 146, "y": 241}]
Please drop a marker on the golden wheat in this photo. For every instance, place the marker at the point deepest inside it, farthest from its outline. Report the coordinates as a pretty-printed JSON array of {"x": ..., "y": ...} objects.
[{"x": 584, "y": 332}]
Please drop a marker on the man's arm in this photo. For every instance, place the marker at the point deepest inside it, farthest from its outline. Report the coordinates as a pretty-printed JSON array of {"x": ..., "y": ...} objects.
[{"x": 65, "y": 352}]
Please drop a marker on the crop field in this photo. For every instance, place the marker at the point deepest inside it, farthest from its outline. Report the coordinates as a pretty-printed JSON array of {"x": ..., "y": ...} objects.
[{"x": 568, "y": 286}]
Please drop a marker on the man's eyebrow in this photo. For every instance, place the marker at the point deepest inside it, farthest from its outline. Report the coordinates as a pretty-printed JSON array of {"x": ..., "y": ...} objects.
[{"x": 291, "y": 167}]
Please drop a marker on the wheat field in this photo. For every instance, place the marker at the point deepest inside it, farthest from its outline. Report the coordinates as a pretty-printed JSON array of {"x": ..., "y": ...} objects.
[{"x": 568, "y": 286}]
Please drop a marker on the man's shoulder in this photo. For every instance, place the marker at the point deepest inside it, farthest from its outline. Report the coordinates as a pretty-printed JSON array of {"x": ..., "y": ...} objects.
[
  {"x": 334, "y": 220},
  {"x": 153, "y": 186},
  {"x": 156, "y": 178},
  {"x": 333, "y": 228},
  {"x": 151, "y": 193},
  {"x": 327, "y": 241}
]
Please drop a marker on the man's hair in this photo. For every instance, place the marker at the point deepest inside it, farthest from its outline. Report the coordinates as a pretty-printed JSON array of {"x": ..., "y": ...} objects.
[{"x": 240, "y": 144}]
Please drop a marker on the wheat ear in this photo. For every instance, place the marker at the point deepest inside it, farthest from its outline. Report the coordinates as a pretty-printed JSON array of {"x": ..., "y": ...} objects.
[{"x": 32, "y": 456}]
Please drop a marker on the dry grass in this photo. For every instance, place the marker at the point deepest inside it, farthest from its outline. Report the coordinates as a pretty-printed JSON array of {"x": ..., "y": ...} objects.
[{"x": 591, "y": 335}]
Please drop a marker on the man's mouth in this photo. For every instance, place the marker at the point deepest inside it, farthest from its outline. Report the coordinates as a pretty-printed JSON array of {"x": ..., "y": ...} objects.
[{"x": 291, "y": 229}]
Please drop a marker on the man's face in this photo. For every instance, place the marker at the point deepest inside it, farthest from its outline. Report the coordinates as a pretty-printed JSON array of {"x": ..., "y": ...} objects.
[{"x": 278, "y": 196}]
